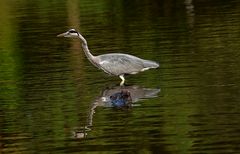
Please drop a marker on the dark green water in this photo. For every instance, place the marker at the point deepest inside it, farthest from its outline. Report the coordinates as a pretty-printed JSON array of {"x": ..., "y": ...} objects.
[{"x": 51, "y": 97}]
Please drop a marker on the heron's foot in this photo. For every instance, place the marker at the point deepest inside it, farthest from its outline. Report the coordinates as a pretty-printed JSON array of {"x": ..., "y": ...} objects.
[
  {"x": 122, "y": 83},
  {"x": 123, "y": 80}
]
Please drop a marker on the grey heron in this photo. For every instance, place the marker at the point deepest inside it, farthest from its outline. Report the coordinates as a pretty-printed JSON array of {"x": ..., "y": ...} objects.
[{"x": 117, "y": 64}]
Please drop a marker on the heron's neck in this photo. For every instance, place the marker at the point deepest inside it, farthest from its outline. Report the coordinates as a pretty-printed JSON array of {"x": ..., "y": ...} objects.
[{"x": 85, "y": 49}]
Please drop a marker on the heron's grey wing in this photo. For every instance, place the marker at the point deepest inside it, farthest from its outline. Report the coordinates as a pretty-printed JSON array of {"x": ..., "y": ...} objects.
[{"x": 117, "y": 64}]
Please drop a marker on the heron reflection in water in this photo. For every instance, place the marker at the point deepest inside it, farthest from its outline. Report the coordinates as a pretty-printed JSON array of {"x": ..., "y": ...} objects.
[
  {"x": 116, "y": 97},
  {"x": 121, "y": 99},
  {"x": 117, "y": 64}
]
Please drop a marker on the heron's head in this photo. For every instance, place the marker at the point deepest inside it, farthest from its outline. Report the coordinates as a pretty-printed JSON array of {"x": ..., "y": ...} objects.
[{"x": 69, "y": 33}]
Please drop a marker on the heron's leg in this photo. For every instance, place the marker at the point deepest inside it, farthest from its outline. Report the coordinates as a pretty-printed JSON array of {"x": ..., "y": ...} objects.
[{"x": 123, "y": 80}]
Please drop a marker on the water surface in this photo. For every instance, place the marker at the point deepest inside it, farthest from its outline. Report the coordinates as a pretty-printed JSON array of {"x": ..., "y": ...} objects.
[{"x": 52, "y": 100}]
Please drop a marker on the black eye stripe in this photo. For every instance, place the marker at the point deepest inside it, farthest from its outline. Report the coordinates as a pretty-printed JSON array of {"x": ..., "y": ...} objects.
[{"x": 72, "y": 31}]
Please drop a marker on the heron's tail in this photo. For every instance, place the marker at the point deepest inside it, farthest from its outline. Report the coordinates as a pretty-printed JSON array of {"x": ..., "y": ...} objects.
[{"x": 150, "y": 64}]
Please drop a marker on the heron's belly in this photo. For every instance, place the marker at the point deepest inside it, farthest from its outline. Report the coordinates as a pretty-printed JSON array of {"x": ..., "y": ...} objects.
[{"x": 115, "y": 73}]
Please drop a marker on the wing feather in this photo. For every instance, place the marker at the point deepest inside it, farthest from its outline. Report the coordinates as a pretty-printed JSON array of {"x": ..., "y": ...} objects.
[{"x": 117, "y": 64}]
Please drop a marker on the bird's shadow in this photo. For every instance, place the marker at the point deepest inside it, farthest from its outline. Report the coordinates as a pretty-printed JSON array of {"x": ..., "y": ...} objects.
[{"x": 117, "y": 97}]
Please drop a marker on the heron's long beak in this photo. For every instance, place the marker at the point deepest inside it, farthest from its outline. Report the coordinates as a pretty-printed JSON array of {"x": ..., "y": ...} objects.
[{"x": 62, "y": 35}]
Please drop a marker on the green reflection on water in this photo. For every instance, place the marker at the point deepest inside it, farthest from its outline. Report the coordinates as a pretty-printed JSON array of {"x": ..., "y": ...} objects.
[{"x": 8, "y": 58}]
